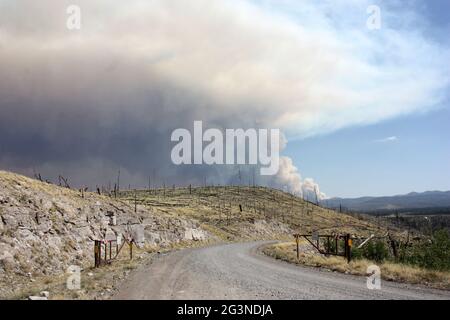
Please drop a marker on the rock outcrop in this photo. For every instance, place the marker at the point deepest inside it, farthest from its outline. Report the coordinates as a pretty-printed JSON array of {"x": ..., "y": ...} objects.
[{"x": 45, "y": 228}]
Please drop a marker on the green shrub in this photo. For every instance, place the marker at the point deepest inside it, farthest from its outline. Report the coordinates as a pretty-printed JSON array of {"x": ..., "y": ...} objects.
[
  {"x": 375, "y": 251},
  {"x": 357, "y": 254},
  {"x": 331, "y": 246},
  {"x": 434, "y": 254}
]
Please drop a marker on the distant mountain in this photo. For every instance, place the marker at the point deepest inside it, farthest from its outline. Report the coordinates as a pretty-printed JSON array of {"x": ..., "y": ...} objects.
[{"x": 413, "y": 200}]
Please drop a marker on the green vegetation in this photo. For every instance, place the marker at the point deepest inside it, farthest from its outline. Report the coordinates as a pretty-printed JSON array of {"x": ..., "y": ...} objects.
[
  {"x": 432, "y": 254},
  {"x": 374, "y": 250},
  {"x": 391, "y": 271}
]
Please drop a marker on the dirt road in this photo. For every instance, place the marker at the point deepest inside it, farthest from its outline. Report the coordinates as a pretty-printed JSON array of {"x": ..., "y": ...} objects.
[{"x": 238, "y": 271}]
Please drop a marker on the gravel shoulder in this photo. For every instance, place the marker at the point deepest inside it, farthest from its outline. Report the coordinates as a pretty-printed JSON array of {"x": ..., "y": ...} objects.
[{"x": 239, "y": 271}]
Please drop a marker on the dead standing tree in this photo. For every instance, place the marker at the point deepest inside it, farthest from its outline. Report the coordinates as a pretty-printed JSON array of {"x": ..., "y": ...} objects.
[
  {"x": 83, "y": 191},
  {"x": 37, "y": 176},
  {"x": 117, "y": 185},
  {"x": 149, "y": 185},
  {"x": 164, "y": 186},
  {"x": 63, "y": 182}
]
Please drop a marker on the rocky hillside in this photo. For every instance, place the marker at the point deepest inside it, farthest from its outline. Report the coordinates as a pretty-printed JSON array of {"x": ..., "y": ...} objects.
[{"x": 45, "y": 228}]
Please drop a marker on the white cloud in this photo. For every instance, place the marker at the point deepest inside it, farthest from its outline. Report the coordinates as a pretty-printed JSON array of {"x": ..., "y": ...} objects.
[{"x": 388, "y": 139}]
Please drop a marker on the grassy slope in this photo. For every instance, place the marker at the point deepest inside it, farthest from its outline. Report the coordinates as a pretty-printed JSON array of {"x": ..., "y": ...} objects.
[
  {"x": 389, "y": 271},
  {"x": 217, "y": 208}
]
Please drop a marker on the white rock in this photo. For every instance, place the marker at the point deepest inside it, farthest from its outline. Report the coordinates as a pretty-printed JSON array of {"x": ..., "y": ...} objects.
[
  {"x": 137, "y": 234},
  {"x": 7, "y": 261},
  {"x": 194, "y": 234},
  {"x": 152, "y": 238},
  {"x": 110, "y": 235},
  {"x": 37, "y": 298},
  {"x": 44, "y": 294},
  {"x": 6, "y": 255}
]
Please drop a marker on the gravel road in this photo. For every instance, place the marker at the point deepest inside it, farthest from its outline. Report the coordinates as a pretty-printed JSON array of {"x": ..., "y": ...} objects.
[{"x": 239, "y": 271}]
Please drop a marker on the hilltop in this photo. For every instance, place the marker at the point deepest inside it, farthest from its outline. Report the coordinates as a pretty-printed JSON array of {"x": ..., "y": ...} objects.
[{"x": 242, "y": 212}]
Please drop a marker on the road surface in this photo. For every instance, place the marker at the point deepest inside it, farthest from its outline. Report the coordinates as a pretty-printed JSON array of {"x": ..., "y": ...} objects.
[{"x": 238, "y": 271}]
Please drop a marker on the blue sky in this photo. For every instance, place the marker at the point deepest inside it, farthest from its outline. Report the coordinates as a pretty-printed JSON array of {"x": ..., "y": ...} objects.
[
  {"x": 353, "y": 162},
  {"x": 360, "y": 160}
]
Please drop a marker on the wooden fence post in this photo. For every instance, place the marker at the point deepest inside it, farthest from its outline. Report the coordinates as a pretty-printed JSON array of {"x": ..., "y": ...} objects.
[
  {"x": 328, "y": 244},
  {"x": 131, "y": 250},
  {"x": 96, "y": 253},
  {"x": 106, "y": 256},
  {"x": 336, "y": 244}
]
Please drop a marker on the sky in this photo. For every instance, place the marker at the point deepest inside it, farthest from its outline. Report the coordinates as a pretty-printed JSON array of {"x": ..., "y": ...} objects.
[
  {"x": 363, "y": 111},
  {"x": 397, "y": 157},
  {"x": 406, "y": 154}
]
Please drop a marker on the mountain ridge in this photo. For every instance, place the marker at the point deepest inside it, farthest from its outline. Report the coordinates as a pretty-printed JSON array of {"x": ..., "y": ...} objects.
[{"x": 412, "y": 200}]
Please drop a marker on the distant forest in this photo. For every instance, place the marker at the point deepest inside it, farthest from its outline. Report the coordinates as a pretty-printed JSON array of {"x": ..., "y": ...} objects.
[
  {"x": 425, "y": 220},
  {"x": 414, "y": 211}
]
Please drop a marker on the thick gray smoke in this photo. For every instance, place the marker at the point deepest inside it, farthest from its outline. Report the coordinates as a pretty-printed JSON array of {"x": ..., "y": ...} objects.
[{"x": 84, "y": 103}]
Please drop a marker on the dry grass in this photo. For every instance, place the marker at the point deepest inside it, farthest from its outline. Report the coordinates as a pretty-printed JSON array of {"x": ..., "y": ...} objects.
[
  {"x": 389, "y": 271},
  {"x": 97, "y": 283},
  {"x": 218, "y": 209}
]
